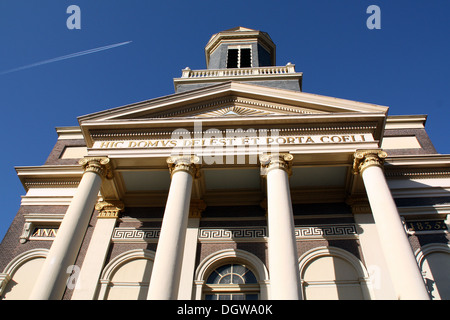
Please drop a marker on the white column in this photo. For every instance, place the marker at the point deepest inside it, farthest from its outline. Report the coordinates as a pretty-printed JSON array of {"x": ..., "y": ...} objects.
[
  {"x": 190, "y": 250},
  {"x": 51, "y": 282},
  {"x": 166, "y": 271},
  {"x": 282, "y": 247},
  {"x": 88, "y": 279},
  {"x": 397, "y": 250}
]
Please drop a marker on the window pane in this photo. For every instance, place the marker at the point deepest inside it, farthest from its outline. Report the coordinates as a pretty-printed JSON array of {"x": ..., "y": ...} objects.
[
  {"x": 232, "y": 61},
  {"x": 213, "y": 278},
  {"x": 237, "y": 297},
  {"x": 246, "y": 58},
  {"x": 239, "y": 269},
  {"x": 223, "y": 270},
  {"x": 224, "y": 297},
  {"x": 251, "y": 297},
  {"x": 250, "y": 277},
  {"x": 226, "y": 279},
  {"x": 231, "y": 274},
  {"x": 237, "y": 279}
]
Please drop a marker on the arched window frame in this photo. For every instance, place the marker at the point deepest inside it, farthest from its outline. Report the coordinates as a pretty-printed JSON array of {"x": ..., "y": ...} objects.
[
  {"x": 313, "y": 254},
  {"x": 117, "y": 262},
  {"x": 16, "y": 263},
  {"x": 231, "y": 256},
  {"x": 231, "y": 288},
  {"x": 424, "y": 251}
]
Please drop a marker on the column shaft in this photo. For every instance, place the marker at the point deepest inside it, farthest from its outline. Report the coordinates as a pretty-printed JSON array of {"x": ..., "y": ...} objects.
[
  {"x": 51, "y": 282},
  {"x": 400, "y": 259},
  {"x": 190, "y": 250},
  {"x": 282, "y": 246},
  {"x": 166, "y": 271}
]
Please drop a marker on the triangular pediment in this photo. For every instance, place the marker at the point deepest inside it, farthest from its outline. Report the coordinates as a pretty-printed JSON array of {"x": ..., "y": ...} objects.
[
  {"x": 233, "y": 111},
  {"x": 229, "y": 106},
  {"x": 233, "y": 99}
]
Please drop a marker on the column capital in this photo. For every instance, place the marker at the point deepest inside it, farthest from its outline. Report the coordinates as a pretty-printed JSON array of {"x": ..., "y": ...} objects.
[
  {"x": 276, "y": 161},
  {"x": 109, "y": 209},
  {"x": 189, "y": 164},
  {"x": 196, "y": 208},
  {"x": 99, "y": 165},
  {"x": 359, "y": 204},
  {"x": 367, "y": 158}
]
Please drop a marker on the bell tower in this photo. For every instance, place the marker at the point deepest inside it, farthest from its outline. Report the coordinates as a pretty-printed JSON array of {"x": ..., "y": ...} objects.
[
  {"x": 240, "y": 48},
  {"x": 243, "y": 55}
]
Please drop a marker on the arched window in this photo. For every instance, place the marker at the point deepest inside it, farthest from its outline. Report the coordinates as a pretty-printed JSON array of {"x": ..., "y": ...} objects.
[
  {"x": 18, "y": 279},
  {"x": 231, "y": 281},
  {"x": 434, "y": 262},
  {"x": 231, "y": 274},
  {"x": 127, "y": 276},
  {"x": 329, "y": 273}
]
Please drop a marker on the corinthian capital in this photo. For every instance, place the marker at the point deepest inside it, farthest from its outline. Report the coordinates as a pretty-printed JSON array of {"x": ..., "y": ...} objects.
[
  {"x": 99, "y": 165},
  {"x": 189, "y": 164},
  {"x": 276, "y": 161},
  {"x": 109, "y": 209},
  {"x": 196, "y": 208},
  {"x": 367, "y": 158}
]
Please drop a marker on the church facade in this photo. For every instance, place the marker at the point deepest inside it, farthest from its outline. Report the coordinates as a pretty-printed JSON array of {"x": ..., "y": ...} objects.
[{"x": 237, "y": 186}]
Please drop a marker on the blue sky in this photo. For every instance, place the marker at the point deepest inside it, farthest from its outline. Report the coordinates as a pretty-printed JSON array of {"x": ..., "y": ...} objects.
[{"x": 403, "y": 65}]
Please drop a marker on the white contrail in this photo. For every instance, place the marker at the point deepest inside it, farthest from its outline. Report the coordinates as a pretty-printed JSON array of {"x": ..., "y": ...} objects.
[{"x": 69, "y": 56}]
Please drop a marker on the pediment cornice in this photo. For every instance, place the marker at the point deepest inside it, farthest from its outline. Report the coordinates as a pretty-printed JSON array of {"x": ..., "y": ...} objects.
[
  {"x": 255, "y": 99},
  {"x": 234, "y": 105}
]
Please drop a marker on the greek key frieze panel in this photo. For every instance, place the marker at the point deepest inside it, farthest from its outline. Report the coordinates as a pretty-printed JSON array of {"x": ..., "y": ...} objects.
[
  {"x": 135, "y": 235},
  {"x": 238, "y": 234},
  {"x": 325, "y": 231},
  {"x": 233, "y": 234}
]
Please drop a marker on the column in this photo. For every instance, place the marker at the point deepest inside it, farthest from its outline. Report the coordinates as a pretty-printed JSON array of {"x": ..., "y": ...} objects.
[
  {"x": 88, "y": 279},
  {"x": 190, "y": 249},
  {"x": 282, "y": 247},
  {"x": 397, "y": 250},
  {"x": 166, "y": 271},
  {"x": 51, "y": 282}
]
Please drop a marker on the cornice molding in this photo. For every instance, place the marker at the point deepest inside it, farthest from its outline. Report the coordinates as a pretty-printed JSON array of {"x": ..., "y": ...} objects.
[
  {"x": 228, "y": 89},
  {"x": 406, "y": 121},
  {"x": 46, "y": 183},
  {"x": 69, "y": 133},
  {"x": 132, "y": 133},
  {"x": 154, "y": 128},
  {"x": 49, "y": 176},
  {"x": 417, "y": 173},
  {"x": 417, "y": 166}
]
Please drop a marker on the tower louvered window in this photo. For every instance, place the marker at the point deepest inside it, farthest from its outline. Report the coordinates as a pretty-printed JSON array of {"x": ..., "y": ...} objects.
[{"x": 239, "y": 58}]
